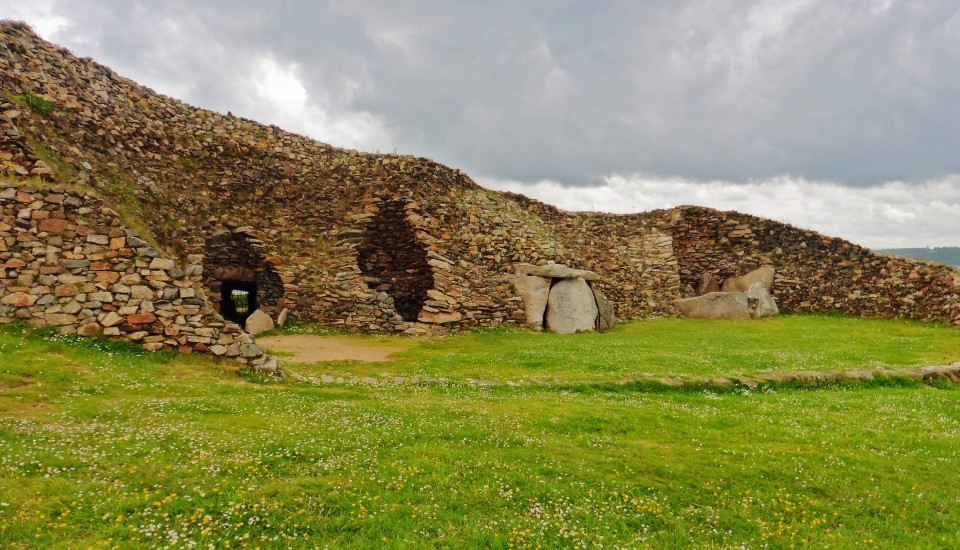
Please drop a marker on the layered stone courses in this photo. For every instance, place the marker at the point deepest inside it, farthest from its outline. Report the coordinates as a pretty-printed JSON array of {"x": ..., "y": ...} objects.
[
  {"x": 91, "y": 275},
  {"x": 304, "y": 208}
]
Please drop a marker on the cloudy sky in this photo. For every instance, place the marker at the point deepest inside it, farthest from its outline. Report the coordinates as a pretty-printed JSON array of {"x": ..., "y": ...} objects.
[{"x": 838, "y": 115}]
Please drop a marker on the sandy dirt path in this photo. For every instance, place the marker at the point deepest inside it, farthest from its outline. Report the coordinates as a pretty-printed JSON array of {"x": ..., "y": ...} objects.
[{"x": 315, "y": 349}]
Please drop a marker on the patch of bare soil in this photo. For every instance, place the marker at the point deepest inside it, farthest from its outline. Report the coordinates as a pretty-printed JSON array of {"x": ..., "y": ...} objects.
[{"x": 315, "y": 349}]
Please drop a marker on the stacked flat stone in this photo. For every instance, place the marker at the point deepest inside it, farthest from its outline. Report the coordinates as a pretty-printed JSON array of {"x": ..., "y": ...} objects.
[{"x": 67, "y": 261}]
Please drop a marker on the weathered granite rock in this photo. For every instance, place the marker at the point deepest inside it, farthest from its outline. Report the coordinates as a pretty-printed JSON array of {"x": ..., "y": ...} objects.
[
  {"x": 742, "y": 283},
  {"x": 535, "y": 292},
  {"x": 765, "y": 305},
  {"x": 571, "y": 307},
  {"x": 715, "y": 305},
  {"x": 258, "y": 322},
  {"x": 607, "y": 311}
]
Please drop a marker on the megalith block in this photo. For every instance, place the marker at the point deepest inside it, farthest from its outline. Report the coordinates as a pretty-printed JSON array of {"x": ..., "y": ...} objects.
[
  {"x": 607, "y": 317},
  {"x": 715, "y": 305},
  {"x": 571, "y": 307},
  {"x": 765, "y": 304},
  {"x": 535, "y": 292},
  {"x": 742, "y": 283}
]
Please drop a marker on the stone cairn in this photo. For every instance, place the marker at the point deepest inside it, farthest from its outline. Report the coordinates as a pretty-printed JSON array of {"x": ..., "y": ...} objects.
[
  {"x": 67, "y": 261},
  {"x": 561, "y": 299},
  {"x": 744, "y": 297}
]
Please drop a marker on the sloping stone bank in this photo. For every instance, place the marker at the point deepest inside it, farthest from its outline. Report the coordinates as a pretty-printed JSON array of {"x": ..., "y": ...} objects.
[
  {"x": 814, "y": 272},
  {"x": 67, "y": 261}
]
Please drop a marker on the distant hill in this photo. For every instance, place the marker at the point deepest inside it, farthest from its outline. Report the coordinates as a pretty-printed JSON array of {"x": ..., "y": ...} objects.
[{"x": 944, "y": 254}]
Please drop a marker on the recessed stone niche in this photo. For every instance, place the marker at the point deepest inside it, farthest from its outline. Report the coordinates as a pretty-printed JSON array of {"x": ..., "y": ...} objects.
[
  {"x": 238, "y": 278},
  {"x": 394, "y": 261}
]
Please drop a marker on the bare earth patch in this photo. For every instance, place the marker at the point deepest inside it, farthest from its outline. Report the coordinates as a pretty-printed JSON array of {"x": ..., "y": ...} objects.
[{"x": 315, "y": 349}]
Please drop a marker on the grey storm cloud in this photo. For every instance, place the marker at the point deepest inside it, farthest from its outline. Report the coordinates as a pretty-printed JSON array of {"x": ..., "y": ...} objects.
[{"x": 859, "y": 92}]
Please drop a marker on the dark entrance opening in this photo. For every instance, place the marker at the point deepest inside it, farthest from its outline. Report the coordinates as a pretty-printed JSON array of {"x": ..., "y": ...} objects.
[
  {"x": 394, "y": 261},
  {"x": 238, "y": 299}
]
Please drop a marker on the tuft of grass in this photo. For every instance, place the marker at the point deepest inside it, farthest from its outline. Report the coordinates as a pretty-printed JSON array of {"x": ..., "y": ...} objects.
[{"x": 35, "y": 102}]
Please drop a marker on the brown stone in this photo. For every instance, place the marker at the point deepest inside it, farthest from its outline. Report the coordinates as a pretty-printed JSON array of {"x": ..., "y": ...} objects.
[
  {"x": 53, "y": 225},
  {"x": 19, "y": 299},
  {"x": 764, "y": 275},
  {"x": 141, "y": 318}
]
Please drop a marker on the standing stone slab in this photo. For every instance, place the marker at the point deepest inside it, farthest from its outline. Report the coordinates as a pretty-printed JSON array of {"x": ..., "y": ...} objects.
[
  {"x": 607, "y": 316},
  {"x": 765, "y": 304},
  {"x": 535, "y": 291},
  {"x": 571, "y": 307},
  {"x": 715, "y": 305},
  {"x": 742, "y": 283}
]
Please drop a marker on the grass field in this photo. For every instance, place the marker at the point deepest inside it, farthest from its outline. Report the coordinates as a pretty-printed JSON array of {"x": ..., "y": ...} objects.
[
  {"x": 665, "y": 347},
  {"x": 103, "y": 445}
]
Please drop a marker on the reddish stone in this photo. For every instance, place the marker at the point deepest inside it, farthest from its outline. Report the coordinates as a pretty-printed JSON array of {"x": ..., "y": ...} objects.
[
  {"x": 53, "y": 225},
  {"x": 185, "y": 349},
  {"x": 141, "y": 318},
  {"x": 66, "y": 290},
  {"x": 100, "y": 266},
  {"x": 16, "y": 264},
  {"x": 25, "y": 198},
  {"x": 117, "y": 243},
  {"x": 19, "y": 299},
  {"x": 107, "y": 277}
]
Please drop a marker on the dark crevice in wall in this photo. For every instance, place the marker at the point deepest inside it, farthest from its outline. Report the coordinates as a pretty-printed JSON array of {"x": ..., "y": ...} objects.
[{"x": 394, "y": 261}]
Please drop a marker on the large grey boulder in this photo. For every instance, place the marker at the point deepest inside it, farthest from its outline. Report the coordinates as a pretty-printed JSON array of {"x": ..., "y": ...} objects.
[
  {"x": 607, "y": 317},
  {"x": 715, "y": 305},
  {"x": 571, "y": 307},
  {"x": 742, "y": 283},
  {"x": 534, "y": 291},
  {"x": 258, "y": 322},
  {"x": 761, "y": 302}
]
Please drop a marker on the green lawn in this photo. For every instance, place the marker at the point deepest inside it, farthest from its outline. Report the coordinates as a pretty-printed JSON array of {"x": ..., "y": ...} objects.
[
  {"x": 105, "y": 446},
  {"x": 668, "y": 347}
]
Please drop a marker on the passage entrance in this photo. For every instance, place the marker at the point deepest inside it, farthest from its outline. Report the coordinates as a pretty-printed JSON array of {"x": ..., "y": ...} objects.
[{"x": 238, "y": 299}]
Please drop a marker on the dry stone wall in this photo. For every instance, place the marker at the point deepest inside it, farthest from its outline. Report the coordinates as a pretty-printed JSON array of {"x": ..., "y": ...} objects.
[
  {"x": 814, "y": 272},
  {"x": 67, "y": 261},
  {"x": 307, "y": 211}
]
